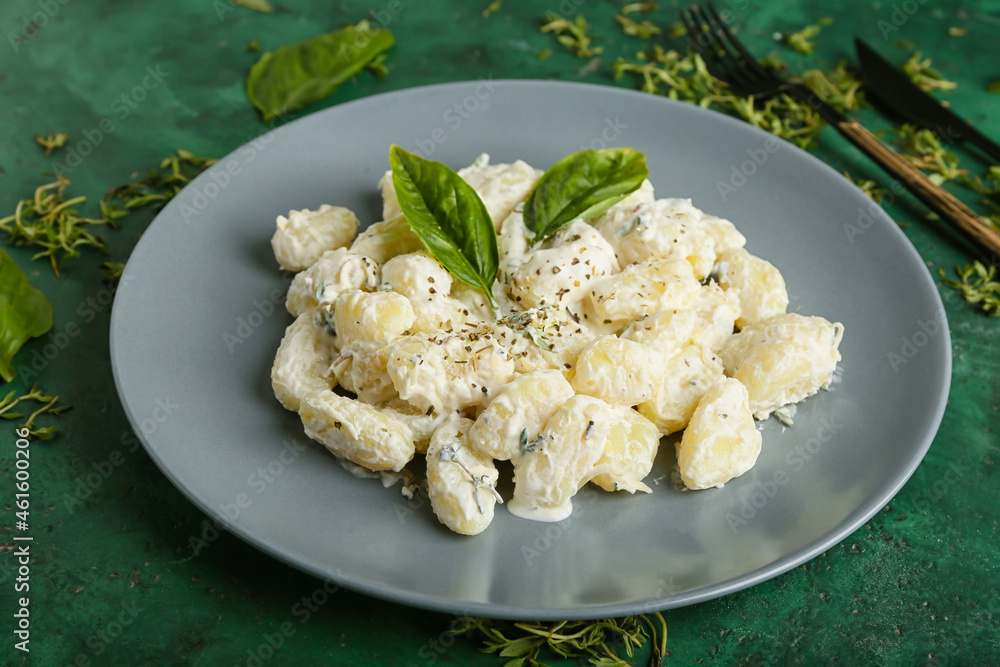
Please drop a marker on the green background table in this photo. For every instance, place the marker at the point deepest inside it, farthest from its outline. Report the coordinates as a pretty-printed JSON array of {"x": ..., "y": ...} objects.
[{"x": 114, "y": 580}]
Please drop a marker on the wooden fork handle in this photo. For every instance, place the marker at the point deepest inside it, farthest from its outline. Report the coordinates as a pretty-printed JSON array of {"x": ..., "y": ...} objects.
[{"x": 937, "y": 198}]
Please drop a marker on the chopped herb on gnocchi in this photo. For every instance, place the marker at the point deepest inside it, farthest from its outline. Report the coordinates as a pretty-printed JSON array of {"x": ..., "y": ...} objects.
[{"x": 573, "y": 348}]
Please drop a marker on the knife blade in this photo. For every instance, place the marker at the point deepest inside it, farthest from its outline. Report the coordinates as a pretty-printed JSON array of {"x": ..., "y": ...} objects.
[{"x": 895, "y": 90}]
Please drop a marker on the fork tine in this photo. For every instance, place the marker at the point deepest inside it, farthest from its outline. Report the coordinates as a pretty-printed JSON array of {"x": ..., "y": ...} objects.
[
  {"x": 720, "y": 59},
  {"x": 750, "y": 60},
  {"x": 703, "y": 41}
]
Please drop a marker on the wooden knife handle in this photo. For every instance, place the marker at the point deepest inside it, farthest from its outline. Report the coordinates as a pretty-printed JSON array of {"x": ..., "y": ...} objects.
[{"x": 937, "y": 198}]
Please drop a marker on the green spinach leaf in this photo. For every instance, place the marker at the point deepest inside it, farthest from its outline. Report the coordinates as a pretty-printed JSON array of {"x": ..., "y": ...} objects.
[
  {"x": 24, "y": 313},
  {"x": 297, "y": 75},
  {"x": 449, "y": 217},
  {"x": 582, "y": 185}
]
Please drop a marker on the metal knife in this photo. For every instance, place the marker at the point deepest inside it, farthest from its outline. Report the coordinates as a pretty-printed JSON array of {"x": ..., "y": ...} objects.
[{"x": 895, "y": 90}]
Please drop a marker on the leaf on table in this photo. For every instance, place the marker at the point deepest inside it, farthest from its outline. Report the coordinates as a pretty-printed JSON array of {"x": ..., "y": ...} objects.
[
  {"x": 582, "y": 185},
  {"x": 24, "y": 313},
  {"x": 449, "y": 217},
  {"x": 297, "y": 75}
]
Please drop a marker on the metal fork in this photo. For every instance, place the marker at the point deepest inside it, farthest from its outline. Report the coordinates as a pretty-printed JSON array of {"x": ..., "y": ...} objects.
[{"x": 729, "y": 61}]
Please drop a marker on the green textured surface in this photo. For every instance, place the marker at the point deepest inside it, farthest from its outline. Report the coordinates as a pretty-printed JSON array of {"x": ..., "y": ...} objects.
[{"x": 113, "y": 578}]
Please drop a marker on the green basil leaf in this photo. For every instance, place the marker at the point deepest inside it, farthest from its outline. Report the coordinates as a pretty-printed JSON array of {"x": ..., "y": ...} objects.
[
  {"x": 296, "y": 75},
  {"x": 24, "y": 313},
  {"x": 449, "y": 217},
  {"x": 582, "y": 185}
]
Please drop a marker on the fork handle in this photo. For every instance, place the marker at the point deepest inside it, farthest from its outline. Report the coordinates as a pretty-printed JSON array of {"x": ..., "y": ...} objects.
[{"x": 934, "y": 196}]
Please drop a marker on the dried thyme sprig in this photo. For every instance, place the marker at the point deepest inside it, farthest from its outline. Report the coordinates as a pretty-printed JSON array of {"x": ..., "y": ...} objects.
[
  {"x": 977, "y": 283},
  {"x": 644, "y": 29},
  {"x": 50, "y": 406},
  {"x": 50, "y": 142},
  {"x": 572, "y": 35},
  {"x": 800, "y": 41},
  {"x": 593, "y": 640},
  {"x": 686, "y": 78},
  {"x": 53, "y": 223},
  {"x": 50, "y": 221},
  {"x": 923, "y": 149},
  {"x": 924, "y": 76},
  {"x": 160, "y": 186}
]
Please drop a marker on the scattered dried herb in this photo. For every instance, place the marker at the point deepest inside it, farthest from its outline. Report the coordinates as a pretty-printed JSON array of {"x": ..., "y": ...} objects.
[
  {"x": 112, "y": 271},
  {"x": 50, "y": 221},
  {"x": 50, "y": 142},
  {"x": 923, "y": 149},
  {"x": 491, "y": 8},
  {"x": 924, "y": 76},
  {"x": 869, "y": 187},
  {"x": 977, "y": 283},
  {"x": 800, "y": 41},
  {"x": 572, "y": 35},
  {"x": 642, "y": 29},
  {"x": 157, "y": 188},
  {"x": 594, "y": 641},
  {"x": 50, "y": 406}
]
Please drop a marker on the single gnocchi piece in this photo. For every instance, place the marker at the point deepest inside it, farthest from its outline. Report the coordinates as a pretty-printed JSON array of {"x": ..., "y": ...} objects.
[
  {"x": 562, "y": 459},
  {"x": 334, "y": 272},
  {"x": 723, "y": 232},
  {"x": 300, "y": 366},
  {"x": 616, "y": 370},
  {"x": 641, "y": 288},
  {"x": 629, "y": 452},
  {"x": 517, "y": 414},
  {"x": 448, "y": 371},
  {"x": 384, "y": 240},
  {"x": 366, "y": 321},
  {"x": 500, "y": 186},
  {"x": 301, "y": 238},
  {"x": 461, "y": 483},
  {"x": 356, "y": 431},
  {"x": 722, "y": 441},
  {"x": 663, "y": 228},
  {"x": 757, "y": 284},
  {"x": 783, "y": 359},
  {"x": 561, "y": 275},
  {"x": 426, "y": 283},
  {"x": 687, "y": 376}
]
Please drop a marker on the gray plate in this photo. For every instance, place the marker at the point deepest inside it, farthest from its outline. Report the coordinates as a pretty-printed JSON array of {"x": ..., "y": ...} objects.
[{"x": 199, "y": 317}]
